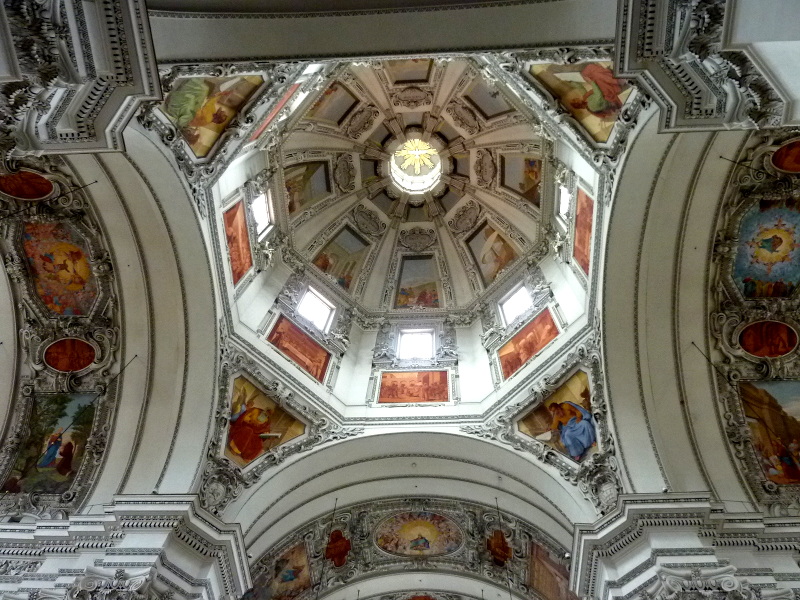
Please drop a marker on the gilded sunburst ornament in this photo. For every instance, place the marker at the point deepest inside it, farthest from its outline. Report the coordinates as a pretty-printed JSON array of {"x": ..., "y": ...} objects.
[{"x": 416, "y": 154}]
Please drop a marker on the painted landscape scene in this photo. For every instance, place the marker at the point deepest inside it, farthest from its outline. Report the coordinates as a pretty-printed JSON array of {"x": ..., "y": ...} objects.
[{"x": 51, "y": 455}]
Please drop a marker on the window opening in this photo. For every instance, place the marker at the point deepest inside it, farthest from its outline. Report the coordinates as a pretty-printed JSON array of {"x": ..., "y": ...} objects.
[
  {"x": 563, "y": 202},
  {"x": 316, "y": 309},
  {"x": 516, "y": 304},
  {"x": 260, "y": 208},
  {"x": 415, "y": 343}
]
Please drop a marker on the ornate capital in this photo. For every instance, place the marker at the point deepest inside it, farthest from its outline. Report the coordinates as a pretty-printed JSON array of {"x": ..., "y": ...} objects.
[{"x": 102, "y": 584}]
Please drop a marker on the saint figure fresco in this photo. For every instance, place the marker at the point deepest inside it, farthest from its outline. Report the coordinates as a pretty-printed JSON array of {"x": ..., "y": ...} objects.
[
  {"x": 589, "y": 91},
  {"x": 203, "y": 107},
  {"x": 52, "y": 453},
  {"x": 257, "y": 423},
  {"x": 564, "y": 421}
]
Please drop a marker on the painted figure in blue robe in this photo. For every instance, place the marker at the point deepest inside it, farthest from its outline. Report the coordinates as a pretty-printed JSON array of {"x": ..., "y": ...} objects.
[
  {"x": 51, "y": 454},
  {"x": 771, "y": 244},
  {"x": 575, "y": 426}
]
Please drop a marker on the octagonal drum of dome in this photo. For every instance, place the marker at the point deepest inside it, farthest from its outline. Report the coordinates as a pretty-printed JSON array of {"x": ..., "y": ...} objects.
[{"x": 419, "y": 533}]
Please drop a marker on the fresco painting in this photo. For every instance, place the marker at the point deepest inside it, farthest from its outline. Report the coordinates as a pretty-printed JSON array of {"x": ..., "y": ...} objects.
[
  {"x": 527, "y": 342},
  {"x": 343, "y": 257},
  {"x": 772, "y": 411},
  {"x": 589, "y": 91},
  {"x": 238, "y": 238},
  {"x": 767, "y": 263},
  {"x": 584, "y": 219},
  {"x": 564, "y": 421},
  {"x": 413, "y": 386},
  {"x": 548, "y": 577},
  {"x": 60, "y": 268},
  {"x": 337, "y": 548},
  {"x": 306, "y": 184},
  {"x": 768, "y": 339},
  {"x": 489, "y": 102},
  {"x": 257, "y": 423},
  {"x": 290, "y": 577},
  {"x": 419, "y": 533},
  {"x": 300, "y": 348},
  {"x": 52, "y": 453},
  {"x": 522, "y": 175},
  {"x": 26, "y": 185},
  {"x": 334, "y": 106},
  {"x": 419, "y": 283},
  {"x": 274, "y": 112},
  {"x": 412, "y": 70},
  {"x": 491, "y": 251},
  {"x": 68, "y": 355},
  {"x": 202, "y": 107},
  {"x": 787, "y": 157}
]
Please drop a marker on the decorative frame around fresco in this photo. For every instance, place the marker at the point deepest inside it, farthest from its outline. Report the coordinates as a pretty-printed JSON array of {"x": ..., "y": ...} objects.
[
  {"x": 245, "y": 194},
  {"x": 99, "y": 328},
  {"x": 374, "y": 387},
  {"x": 358, "y": 522},
  {"x": 222, "y": 479},
  {"x": 278, "y": 185},
  {"x": 334, "y": 360},
  {"x": 583, "y": 276},
  {"x": 597, "y": 476},
  {"x": 732, "y": 312}
]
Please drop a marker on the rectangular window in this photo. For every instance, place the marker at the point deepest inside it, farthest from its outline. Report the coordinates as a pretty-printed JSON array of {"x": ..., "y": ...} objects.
[
  {"x": 260, "y": 207},
  {"x": 563, "y": 202},
  {"x": 516, "y": 304},
  {"x": 415, "y": 343},
  {"x": 316, "y": 309}
]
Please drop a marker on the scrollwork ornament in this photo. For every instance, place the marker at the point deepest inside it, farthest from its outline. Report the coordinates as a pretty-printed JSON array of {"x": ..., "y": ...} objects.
[
  {"x": 465, "y": 218},
  {"x": 101, "y": 584},
  {"x": 417, "y": 239},
  {"x": 344, "y": 173}
]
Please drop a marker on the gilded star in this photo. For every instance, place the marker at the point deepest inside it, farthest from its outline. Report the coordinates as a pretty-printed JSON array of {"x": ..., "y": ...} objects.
[{"x": 416, "y": 153}]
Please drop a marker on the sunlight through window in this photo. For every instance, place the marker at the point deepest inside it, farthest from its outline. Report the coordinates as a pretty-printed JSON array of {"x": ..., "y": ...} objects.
[
  {"x": 316, "y": 309},
  {"x": 516, "y": 304},
  {"x": 416, "y": 343}
]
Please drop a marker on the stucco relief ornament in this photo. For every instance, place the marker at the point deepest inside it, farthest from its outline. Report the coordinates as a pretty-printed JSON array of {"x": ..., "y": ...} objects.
[
  {"x": 720, "y": 583},
  {"x": 344, "y": 173},
  {"x": 361, "y": 121},
  {"x": 368, "y": 221},
  {"x": 101, "y": 584},
  {"x": 465, "y": 218},
  {"x": 464, "y": 116},
  {"x": 485, "y": 168},
  {"x": 412, "y": 97},
  {"x": 417, "y": 239}
]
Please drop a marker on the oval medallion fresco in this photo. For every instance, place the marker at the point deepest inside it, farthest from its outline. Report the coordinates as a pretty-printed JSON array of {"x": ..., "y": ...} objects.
[
  {"x": 26, "y": 185},
  {"x": 60, "y": 268},
  {"x": 787, "y": 157},
  {"x": 69, "y": 354},
  {"x": 768, "y": 339},
  {"x": 418, "y": 534}
]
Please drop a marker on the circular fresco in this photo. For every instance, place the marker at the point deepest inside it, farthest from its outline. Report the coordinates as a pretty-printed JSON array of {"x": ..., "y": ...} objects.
[
  {"x": 787, "y": 157},
  {"x": 768, "y": 339},
  {"x": 69, "y": 354},
  {"x": 418, "y": 534},
  {"x": 26, "y": 185}
]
